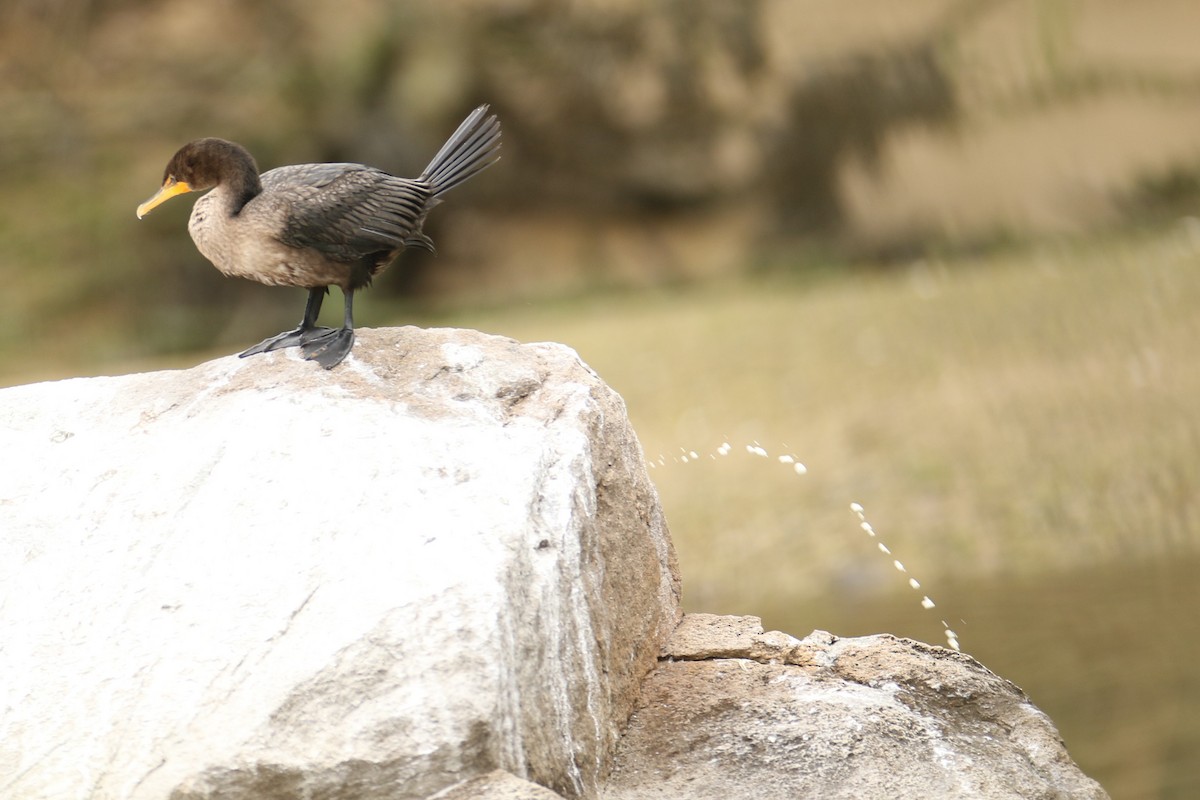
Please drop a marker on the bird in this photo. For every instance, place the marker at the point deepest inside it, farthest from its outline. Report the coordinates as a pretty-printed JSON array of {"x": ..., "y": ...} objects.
[{"x": 316, "y": 225}]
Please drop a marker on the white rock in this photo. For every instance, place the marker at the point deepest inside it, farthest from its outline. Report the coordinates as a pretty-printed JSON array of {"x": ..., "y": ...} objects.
[{"x": 441, "y": 558}]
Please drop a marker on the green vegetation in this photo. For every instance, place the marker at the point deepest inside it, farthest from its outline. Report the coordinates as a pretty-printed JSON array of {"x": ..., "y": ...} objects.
[{"x": 646, "y": 142}]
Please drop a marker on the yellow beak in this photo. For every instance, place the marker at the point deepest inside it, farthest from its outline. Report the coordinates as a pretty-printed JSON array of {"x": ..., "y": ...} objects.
[{"x": 170, "y": 188}]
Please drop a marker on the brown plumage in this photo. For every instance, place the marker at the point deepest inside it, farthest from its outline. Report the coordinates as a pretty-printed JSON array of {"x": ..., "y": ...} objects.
[{"x": 316, "y": 225}]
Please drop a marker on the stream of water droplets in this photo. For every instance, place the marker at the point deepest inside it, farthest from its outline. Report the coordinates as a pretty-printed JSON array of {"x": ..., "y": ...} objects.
[{"x": 792, "y": 462}]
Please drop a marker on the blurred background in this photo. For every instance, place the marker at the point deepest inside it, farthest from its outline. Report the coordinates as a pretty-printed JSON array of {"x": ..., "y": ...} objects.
[{"x": 946, "y": 253}]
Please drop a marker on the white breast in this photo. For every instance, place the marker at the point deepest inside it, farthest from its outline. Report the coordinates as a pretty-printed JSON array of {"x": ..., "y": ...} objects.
[{"x": 238, "y": 247}]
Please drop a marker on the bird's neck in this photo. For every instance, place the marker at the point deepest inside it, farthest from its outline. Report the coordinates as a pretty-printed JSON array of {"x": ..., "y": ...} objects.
[{"x": 239, "y": 189}]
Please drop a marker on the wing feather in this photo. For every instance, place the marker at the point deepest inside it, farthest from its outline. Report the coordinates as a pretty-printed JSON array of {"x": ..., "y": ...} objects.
[{"x": 346, "y": 211}]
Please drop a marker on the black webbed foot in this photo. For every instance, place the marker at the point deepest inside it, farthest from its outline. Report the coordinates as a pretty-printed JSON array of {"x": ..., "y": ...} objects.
[
  {"x": 292, "y": 338},
  {"x": 328, "y": 349}
]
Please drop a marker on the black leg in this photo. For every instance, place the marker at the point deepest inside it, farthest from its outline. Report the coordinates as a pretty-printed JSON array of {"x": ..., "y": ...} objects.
[
  {"x": 304, "y": 332},
  {"x": 328, "y": 349}
]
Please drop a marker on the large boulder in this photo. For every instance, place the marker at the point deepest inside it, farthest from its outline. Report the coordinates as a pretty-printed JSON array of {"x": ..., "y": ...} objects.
[{"x": 261, "y": 579}]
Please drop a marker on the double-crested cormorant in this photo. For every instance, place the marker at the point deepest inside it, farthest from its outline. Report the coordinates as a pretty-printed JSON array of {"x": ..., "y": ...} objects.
[{"x": 316, "y": 225}]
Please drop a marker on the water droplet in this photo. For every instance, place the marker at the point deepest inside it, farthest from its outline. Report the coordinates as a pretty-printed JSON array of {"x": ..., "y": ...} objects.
[
  {"x": 856, "y": 508},
  {"x": 899, "y": 566},
  {"x": 884, "y": 549},
  {"x": 914, "y": 583},
  {"x": 926, "y": 603},
  {"x": 800, "y": 469}
]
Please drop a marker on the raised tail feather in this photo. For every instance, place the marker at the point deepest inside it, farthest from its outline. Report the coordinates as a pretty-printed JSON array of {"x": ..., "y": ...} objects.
[{"x": 473, "y": 148}]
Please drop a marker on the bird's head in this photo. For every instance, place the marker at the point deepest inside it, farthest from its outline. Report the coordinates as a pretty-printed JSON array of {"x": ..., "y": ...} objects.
[{"x": 198, "y": 166}]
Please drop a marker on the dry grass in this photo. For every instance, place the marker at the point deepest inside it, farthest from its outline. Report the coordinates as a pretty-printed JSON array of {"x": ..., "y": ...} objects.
[{"x": 1017, "y": 413}]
